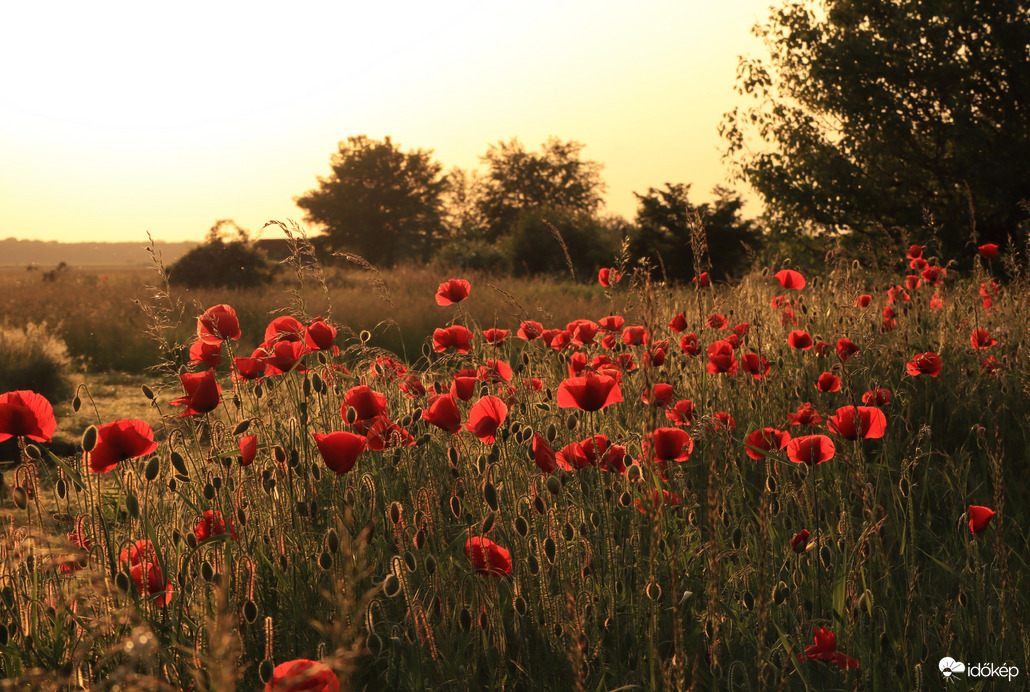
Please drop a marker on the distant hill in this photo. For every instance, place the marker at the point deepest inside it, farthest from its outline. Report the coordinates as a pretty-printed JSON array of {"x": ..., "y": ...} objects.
[{"x": 15, "y": 252}]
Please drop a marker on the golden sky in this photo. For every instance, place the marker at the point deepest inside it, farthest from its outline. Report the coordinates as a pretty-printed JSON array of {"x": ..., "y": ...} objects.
[{"x": 118, "y": 118}]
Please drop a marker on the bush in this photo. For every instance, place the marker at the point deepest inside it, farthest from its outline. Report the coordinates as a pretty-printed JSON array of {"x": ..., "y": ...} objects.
[
  {"x": 534, "y": 246},
  {"x": 219, "y": 263},
  {"x": 473, "y": 255},
  {"x": 31, "y": 358}
]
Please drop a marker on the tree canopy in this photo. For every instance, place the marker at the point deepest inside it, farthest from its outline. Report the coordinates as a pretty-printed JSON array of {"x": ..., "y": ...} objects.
[
  {"x": 872, "y": 113},
  {"x": 379, "y": 202}
]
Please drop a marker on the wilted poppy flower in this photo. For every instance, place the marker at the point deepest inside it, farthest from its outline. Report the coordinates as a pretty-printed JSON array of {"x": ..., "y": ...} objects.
[
  {"x": 455, "y": 336},
  {"x": 825, "y": 649},
  {"x": 487, "y": 557},
  {"x": 846, "y": 348},
  {"x": 721, "y": 359},
  {"x": 701, "y": 280},
  {"x": 754, "y": 365},
  {"x": 485, "y": 417},
  {"x": 213, "y": 525},
  {"x": 828, "y": 382},
  {"x": 218, "y": 322},
  {"x": 367, "y": 403},
  {"x": 928, "y": 363},
  {"x": 877, "y": 397},
  {"x": 443, "y": 412},
  {"x": 543, "y": 455},
  {"x": 979, "y": 518},
  {"x": 496, "y": 337},
  {"x": 660, "y": 395},
  {"x": 285, "y": 356},
  {"x": 591, "y": 392},
  {"x": 207, "y": 351},
  {"x": 806, "y": 415},
  {"x": 799, "y": 543},
  {"x": 717, "y": 321},
  {"x": 340, "y": 450},
  {"x": 988, "y": 250},
  {"x": 853, "y": 422},
  {"x": 321, "y": 336},
  {"x": 789, "y": 278},
  {"x": 530, "y": 330},
  {"x": 981, "y": 338},
  {"x": 452, "y": 291},
  {"x": 608, "y": 276},
  {"x": 248, "y": 449},
  {"x": 689, "y": 345},
  {"x": 120, "y": 441},
  {"x": 203, "y": 393},
  {"x": 26, "y": 414},
  {"x": 799, "y": 339},
  {"x": 682, "y": 413},
  {"x": 668, "y": 444},
  {"x": 764, "y": 440},
  {"x": 810, "y": 449},
  {"x": 678, "y": 323},
  {"x": 151, "y": 583},
  {"x": 863, "y": 301},
  {"x": 303, "y": 675}
]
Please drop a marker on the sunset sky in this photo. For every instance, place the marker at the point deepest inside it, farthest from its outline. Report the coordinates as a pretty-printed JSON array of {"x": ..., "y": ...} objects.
[{"x": 118, "y": 118}]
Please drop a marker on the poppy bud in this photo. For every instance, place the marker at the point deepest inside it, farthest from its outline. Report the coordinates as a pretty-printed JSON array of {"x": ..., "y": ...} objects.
[
  {"x": 430, "y": 563},
  {"x": 32, "y": 452},
  {"x": 147, "y": 392},
  {"x": 76, "y": 403},
  {"x": 89, "y": 439},
  {"x": 241, "y": 427},
  {"x": 521, "y": 526},
  {"x": 62, "y": 488},
  {"x": 132, "y": 505},
  {"x": 490, "y": 496},
  {"x": 266, "y": 670}
]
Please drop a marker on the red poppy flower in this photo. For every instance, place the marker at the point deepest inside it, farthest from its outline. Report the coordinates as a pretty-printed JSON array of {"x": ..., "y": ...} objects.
[
  {"x": 488, "y": 558},
  {"x": 218, "y": 322},
  {"x": 303, "y": 675},
  {"x": 979, "y": 518},
  {"x": 721, "y": 420},
  {"x": 284, "y": 328},
  {"x": 937, "y": 303},
  {"x": 928, "y": 363},
  {"x": 591, "y": 392},
  {"x": 810, "y": 449},
  {"x": 799, "y": 543},
  {"x": 741, "y": 330},
  {"x": 608, "y": 276},
  {"x": 701, "y": 280},
  {"x": 443, "y": 412},
  {"x": 496, "y": 337},
  {"x": 789, "y": 278},
  {"x": 248, "y": 449},
  {"x": 635, "y": 336},
  {"x": 918, "y": 264},
  {"x": 787, "y": 318},
  {"x": 213, "y": 525},
  {"x": 669, "y": 444},
  {"x": 140, "y": 551},
  {"x": 494, "y": 371},
  {"x": 764, "y": 440},
  {"x": 533, "y": 384},
  {"x": 120, "y": 441},
  {"x": 825, "y": 649},
  {"x": 828, "y": 382},
  {"x": 934, "y": 275},
  {"x": 453, "y": 291},
  {"x": 77, "y": 561},
  {"x": 877, "y": 397},
  {"x": 780, "y": 302},
  {"x": 846, "y": 348},
  {"x": 721, "y": 358},
  {"x": 656, "y": 352},
  {"x": 863, "y": 301},
  {"x": 717, "y": 321},
  {"x": 151, "y": 583},
  {"x": 367, "y": 403},
  {"x": 455, "y": 336},
  {"x": 464, "y": 388},
  {"x": 853, "y": 422},
  {"x": 593, "y": 451},
  {"x": 340, "y": 450},
  {"x": 390, "y": 368},
  {"x": 611, "y": 323},
  {"x": 26, "y": 414},
  {"x": 981, "y": 338},
  {"x": 682, "y": 413},
  {"x": 660, "y": 395},
  {"x": 577, "y": 362},
  {"x": 207, "y": 351},
  {"x": 800, "y": 340},
  {"x": 806, "y": 415},
  {"x": 689, "y": 345},
  {"x": 245, "y": 369},
  {"x": 582, "y": 332},
  {"x": 990, "y": 366},
  {"x": 914, "y": 252},
  {"x": 530, "y": 330},
  {"x": 659, "y": 499},
  {"x": 285, "y": 356},
  {"x": 543, "y": 455},
  {"x": 678, "y": 323},
  {"x": 988, "y": 251},
  {"x": 755, "y": 365},
  {"x": 912, "y": 282},
  {"x": 321, "y": 336},
  {"x": 485, "y": 417},
  {"x": 895, "y": 293},
  {"x": 203, "y": 393},
  {"x": 412, "y": 386},
  {"x": 383, "y": 433},
  {"x": 626, "y": 363}
]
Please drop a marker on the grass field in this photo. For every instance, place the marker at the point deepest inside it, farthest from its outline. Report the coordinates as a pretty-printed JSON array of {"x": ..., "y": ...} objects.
[{"x": 415, "y": 507}]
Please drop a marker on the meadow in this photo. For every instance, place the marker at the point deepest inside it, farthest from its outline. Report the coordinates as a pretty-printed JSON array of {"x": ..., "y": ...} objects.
[{"x": 811, "y": 478}]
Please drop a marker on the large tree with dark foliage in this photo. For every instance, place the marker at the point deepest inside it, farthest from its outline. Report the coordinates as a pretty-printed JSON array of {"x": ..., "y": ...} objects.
[
  {"x": 902, "y": 115},
  {"x": 516, "y": 180},
  {"x": 379, "y": 202},
  {"x": 666, "y": 219}
]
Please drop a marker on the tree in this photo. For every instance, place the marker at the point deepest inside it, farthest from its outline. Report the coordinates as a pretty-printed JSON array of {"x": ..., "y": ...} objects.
[
  {"x": 666, "y": 220},
  {"x": 877, "y": 113},
  {"x": 226, "y": 258},
  {"x": 382, "y": 203},
  {"x": 515, "y": 180},
  {"x": 546, "y": 241}
]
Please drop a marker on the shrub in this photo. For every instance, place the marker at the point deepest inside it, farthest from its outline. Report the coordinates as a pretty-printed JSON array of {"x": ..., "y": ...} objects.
[
  {"x": 472, "y": 254},
  {"x": 221, "y": 263},
  {"x": 31, "y": 358},
  {"x": 535, "y": 248}
]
